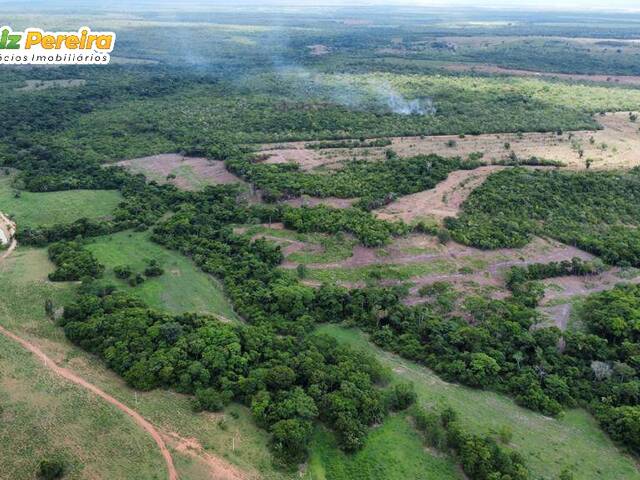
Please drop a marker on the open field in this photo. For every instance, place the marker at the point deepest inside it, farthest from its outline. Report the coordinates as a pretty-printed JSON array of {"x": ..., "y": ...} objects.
[
  {"x": 36, "y": 85},
  {"x": 614, "y": 146},
  {"x": 419, "y": 258},
  {"x": 396, "y": 441},
  {"x": 46, "y": 209},
  {"x": 182, "y": 288},
  {"x": 549, "y": 445},
  {"x": 45, "y": 417},
  {"x": 189, "y": 173}
]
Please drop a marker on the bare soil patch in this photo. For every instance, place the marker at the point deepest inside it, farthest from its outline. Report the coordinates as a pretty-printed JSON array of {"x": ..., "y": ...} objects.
[
  {"x": 318, "y": 50},
  {"x": 442, "y": 201},
  {"x": 294, "y": 152},
  {"x": 566, "y": 287},
  {"x": 188, "y": 173}
]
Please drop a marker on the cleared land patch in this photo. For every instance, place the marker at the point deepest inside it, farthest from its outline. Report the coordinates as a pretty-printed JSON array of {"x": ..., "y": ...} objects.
[
  {"x": 615, "y": 146},
  {"x": 494, "y": 69},
  {"x": 36, "y": 85},
  {"x": 182, "y": 288},
  {"x": 188, "y": 173},
  {"x": 50, "y": 208},
  {"x": 442, "y": 201}
]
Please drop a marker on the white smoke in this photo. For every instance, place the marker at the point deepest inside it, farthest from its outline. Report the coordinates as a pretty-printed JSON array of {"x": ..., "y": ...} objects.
[{"x": 397, "y": 103}]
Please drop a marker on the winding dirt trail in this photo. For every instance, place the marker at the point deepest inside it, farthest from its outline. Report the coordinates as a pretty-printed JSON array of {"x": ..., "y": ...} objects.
[{"x": 69, "y": 375}]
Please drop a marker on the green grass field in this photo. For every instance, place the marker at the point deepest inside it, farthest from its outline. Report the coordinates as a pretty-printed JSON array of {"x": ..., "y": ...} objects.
[
  {"x": 182, "y": 288},
  {"x": 46, "y": 209},
  {"x": 394, "y": 451},
  {"x": 548, "y": 445},
  {"x": 44, "y": 417}
]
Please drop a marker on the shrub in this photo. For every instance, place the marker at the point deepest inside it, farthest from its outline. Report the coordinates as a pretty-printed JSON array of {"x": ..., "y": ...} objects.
[
  {"x": 51, "y": 469},
  {"x": 123, "y": 271}
]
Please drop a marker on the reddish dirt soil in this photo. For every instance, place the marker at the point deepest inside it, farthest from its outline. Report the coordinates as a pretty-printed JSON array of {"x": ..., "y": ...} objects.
[
  {"x": 405, "y": 251},
  {"x": 191, "y": 172},
  {"x": 219, "y": 469},
  {"x": 71, "y": 376},
  {"x": 442, "y": 201}
]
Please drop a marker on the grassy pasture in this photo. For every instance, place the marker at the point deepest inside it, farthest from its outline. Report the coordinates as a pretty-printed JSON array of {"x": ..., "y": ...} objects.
[
  {"x": 43, "y": 416},
  {"x": 50, "y": 208},
  {"x": 396, "y": 441},
  {"x": 182, "y": 287},
  {"x": 548, "y": 445}
]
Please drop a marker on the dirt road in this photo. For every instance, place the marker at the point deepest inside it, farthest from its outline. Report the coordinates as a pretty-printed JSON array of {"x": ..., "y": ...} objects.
[{"x": 69, "y": 375}]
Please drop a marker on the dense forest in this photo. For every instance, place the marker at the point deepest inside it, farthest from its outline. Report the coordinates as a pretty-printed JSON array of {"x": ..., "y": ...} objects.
[{"x": 595, "y": 211}]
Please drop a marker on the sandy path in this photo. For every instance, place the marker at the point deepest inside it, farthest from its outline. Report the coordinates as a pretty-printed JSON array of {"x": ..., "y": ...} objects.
[{"x": 69, "y": 375}]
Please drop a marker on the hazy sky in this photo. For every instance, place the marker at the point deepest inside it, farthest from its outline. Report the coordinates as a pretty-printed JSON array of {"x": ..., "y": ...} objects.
[{"x": 185, "y": 4}]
